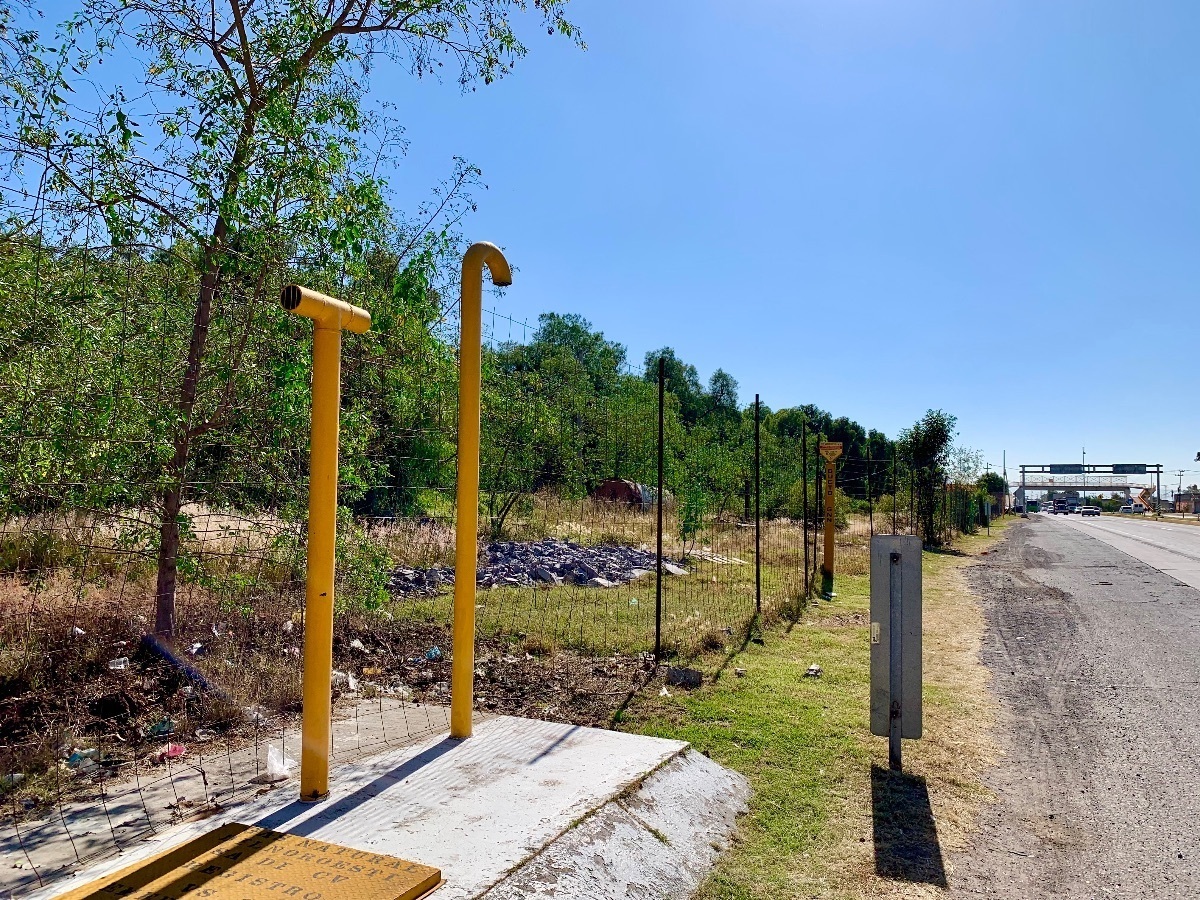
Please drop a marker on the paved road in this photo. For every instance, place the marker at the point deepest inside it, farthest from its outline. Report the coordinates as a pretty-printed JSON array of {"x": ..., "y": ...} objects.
[
  {"x": 1173, "y": 549},
  {"x": 1096, "y": 660}
]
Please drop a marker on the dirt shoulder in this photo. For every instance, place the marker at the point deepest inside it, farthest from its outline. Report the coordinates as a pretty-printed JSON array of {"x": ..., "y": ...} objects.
[{"x": 1094, "y": 659}]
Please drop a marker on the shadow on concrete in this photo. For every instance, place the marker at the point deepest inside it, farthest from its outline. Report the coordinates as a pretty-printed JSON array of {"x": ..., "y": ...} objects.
[
  {"x": 906, "y": 840},
  {"x": 329, "y": 811}
]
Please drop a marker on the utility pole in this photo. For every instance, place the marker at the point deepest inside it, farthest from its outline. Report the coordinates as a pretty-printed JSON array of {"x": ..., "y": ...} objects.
[
  {"x": 1180, "y": 491},
  {"x": 1083, "y": 501}
]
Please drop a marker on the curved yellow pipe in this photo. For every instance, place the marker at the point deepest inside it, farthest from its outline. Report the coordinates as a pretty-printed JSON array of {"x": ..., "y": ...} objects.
[
  {"x": 462, "y": 668},
  {"x": 330, "y": 316}
]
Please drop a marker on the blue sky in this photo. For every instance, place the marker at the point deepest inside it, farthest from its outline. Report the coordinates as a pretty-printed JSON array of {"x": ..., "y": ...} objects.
[
  {"x": 878, "y": 207},
  {"x": 871, "y": 205}
]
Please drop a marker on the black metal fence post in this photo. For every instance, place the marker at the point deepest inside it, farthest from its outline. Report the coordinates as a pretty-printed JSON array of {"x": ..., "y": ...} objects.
[
  {"x": 870, "y": 498},
  {"x": 662, "y": 368},
  {"x": 757, "y": 516},
  {"x": 895, "y": 493},
  {"x": 804, "y": 502}
]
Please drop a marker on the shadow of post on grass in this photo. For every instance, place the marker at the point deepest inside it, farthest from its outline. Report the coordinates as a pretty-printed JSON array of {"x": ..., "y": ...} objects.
[{"x": 905, "y": 834}]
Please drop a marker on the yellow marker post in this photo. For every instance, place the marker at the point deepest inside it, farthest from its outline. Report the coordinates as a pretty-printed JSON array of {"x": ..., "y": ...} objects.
[
  {"x": 330, "y": 316},
  {"x": 462, "y": 667},
  {"x": 830, "y": 451}
]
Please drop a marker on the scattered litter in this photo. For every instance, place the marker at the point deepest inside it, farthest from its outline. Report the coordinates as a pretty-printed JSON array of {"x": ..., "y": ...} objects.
[
  {"x": 77, "y": 631},
  {"x": 433, "y": 654},
  {"x": 204, "y": 735},
  {"x": 633, "y": 602},
  {"x": 356, "y": 644},
  {"x": 278, "y": 768},
  {"x": 254, "y": 715},
  {"x": 351, "y": 682},
  {"x": 814, "y": 671},
  {"x": 168, "y": 752},
  {"x": 196, "y": 649},
  {"x": 159, "y": 729},
  {"x": 368, "y": 671},
  {"x": 684, "y": 678},
  {"x": 740, "y": 673},
  {"x": 403, "y": 692},
  {"x": 288, "y": 626},
  {"x": 672, "y": 569},
  {"x": 120, "y": 664},
  {"x": 664, "y": 692},
  {"x": 79, "y": 757},
  {"x": 216, "y": 632}
]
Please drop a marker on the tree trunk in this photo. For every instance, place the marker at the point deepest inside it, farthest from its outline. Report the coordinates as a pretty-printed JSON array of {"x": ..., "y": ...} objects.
[
  {"x": 172, "y": 500},
  {"x": 168, "y": 550},
  {"x": 168, "y": 554}
]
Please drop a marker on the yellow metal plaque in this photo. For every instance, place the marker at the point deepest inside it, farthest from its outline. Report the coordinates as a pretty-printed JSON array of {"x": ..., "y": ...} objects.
[
  {"x": 831, "y": 450},
  {"x": 240, "y": 862}
]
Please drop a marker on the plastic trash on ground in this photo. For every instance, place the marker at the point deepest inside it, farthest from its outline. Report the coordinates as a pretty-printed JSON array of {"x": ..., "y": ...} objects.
[
  {"x": 165, "y": 727},
  {"x": 279, "y": 767},
  {"x": 169, "y": 752},
  {"x": 120, "y": 664}
]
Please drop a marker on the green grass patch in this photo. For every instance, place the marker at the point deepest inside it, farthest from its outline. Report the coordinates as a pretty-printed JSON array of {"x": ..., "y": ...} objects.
[
  {"x": 805, "y": 746},
  {"x": 797, "y": 739}
]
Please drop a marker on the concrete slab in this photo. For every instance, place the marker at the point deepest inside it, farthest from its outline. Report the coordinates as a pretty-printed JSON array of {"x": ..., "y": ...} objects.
[{"x": 482, "y": 810}]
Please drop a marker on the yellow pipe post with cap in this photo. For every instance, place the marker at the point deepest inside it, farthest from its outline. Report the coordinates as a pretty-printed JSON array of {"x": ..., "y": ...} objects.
[
  {"x": 466, "y": 531},
  {"x": 330, "y": 317}
]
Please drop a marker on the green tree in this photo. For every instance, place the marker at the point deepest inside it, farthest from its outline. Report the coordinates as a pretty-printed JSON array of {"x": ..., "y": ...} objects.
[
  {"x": 244, "y": 144},
  {"x": 682, "y": 380},
  {"x": 928, "y": 444},
  {"x": 992, "y": 483}
]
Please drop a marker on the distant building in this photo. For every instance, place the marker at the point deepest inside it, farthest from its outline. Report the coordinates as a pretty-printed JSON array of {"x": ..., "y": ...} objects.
[{"x": 1187, "y": 502}]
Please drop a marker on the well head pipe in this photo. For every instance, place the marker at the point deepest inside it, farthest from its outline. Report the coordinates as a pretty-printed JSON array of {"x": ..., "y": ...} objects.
[
  {"x": 486, "y": 253},
  {"x": 327, "y": 312}
]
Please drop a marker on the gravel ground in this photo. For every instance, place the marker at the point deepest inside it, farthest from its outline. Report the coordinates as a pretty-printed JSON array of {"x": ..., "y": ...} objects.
[{"x": 1096, "y": 659}]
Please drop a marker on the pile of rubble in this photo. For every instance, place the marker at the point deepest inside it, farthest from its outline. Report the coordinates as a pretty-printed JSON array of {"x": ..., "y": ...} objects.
[{"x": 550, "y": 561}]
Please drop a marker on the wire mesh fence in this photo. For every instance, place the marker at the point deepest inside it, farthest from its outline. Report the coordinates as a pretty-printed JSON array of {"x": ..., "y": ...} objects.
[{"x": 152, "y": 532}]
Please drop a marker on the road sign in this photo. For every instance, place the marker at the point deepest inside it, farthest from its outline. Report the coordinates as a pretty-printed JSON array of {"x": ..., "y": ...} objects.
[
  {"x": 896, "y": 639},
  {"x": 831, "y": 450},
  {"x": 1129, "y": 468},
  {"x": 1066, "y": 469}
]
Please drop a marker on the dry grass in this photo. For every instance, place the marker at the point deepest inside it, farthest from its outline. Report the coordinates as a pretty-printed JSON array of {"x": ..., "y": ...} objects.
[{"x": 958, "y": 747}]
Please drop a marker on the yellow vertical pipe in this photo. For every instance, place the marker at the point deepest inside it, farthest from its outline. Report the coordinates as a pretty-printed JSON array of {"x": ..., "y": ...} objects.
[
  {"x": 830, "y": 517},
  {"x": 318, "y": 594},
  {"x": 462, "y": 666}
]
